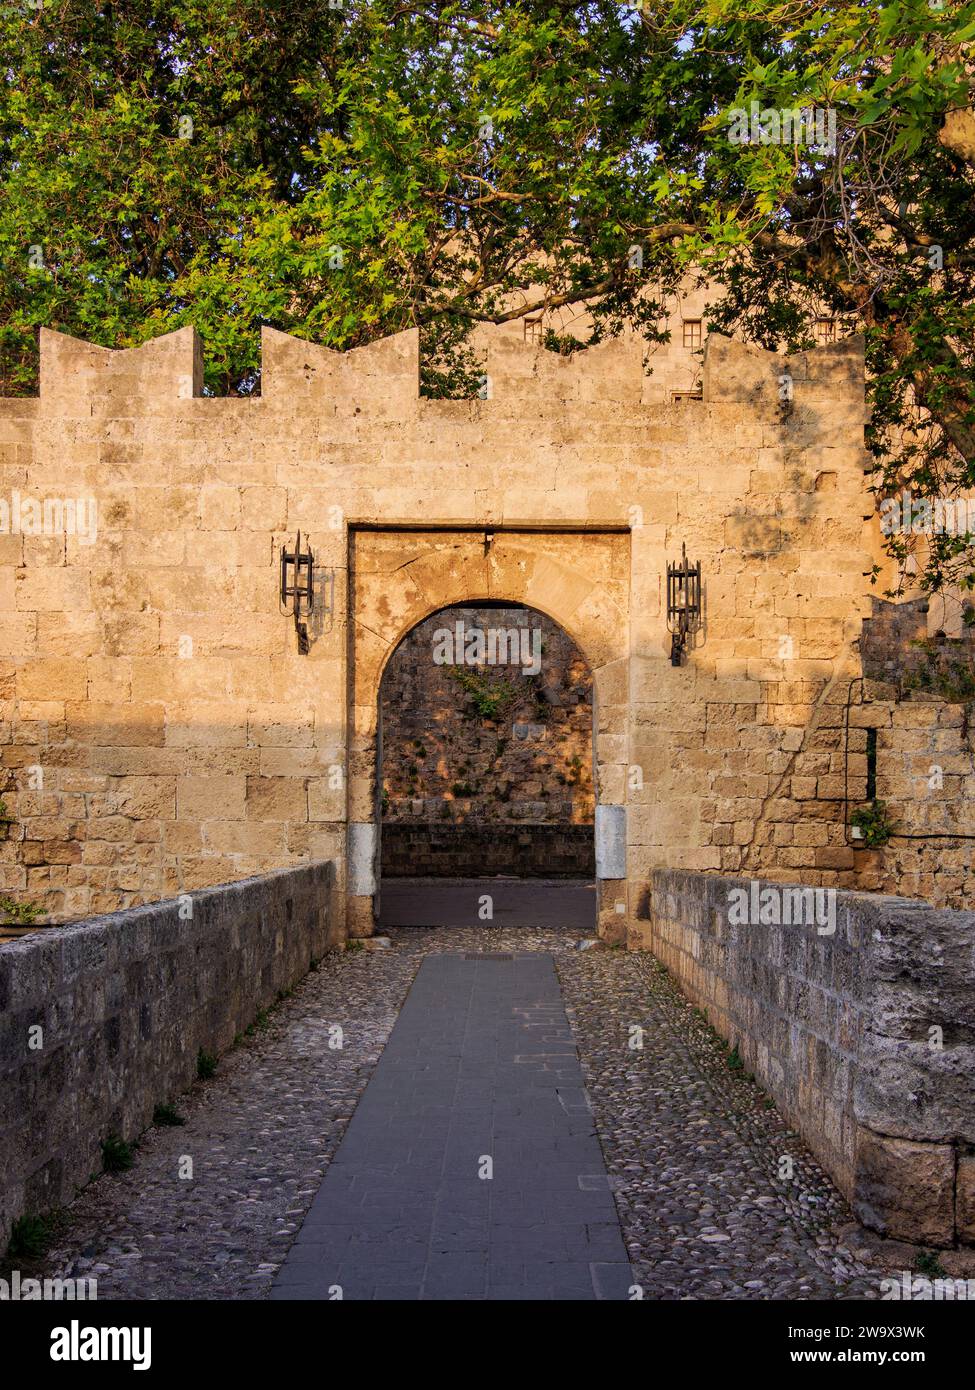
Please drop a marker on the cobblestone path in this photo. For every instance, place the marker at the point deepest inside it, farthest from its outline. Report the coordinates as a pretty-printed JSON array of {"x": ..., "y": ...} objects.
[{"x": 694, "y": 1155}]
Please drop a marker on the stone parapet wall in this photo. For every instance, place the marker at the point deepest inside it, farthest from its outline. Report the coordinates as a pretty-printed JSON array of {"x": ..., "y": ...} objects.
[
  {"x": 473, "y": 851},
  {"x": 863, "y": 1035},
  {"x": 124, "y": 1004}
]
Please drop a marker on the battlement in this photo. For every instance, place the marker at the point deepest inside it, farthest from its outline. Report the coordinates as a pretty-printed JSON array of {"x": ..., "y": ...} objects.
[
  {"x": 383, "y": 378},
  {"x": 78, "y": 377}
]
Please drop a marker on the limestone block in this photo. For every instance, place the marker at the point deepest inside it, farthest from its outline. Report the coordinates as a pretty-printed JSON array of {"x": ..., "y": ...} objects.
[
  {"x": 904, "y": 1189},
  {"x": 738, "y": 372},
  {"x": 325, "y": 801},
  {"x": 211, "y": 798},
  {"x": 965, "y": 1198},
  {"x": 276, "y": 799}
]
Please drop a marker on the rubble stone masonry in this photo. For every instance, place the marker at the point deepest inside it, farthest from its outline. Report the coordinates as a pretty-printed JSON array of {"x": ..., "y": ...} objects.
[{"x": 487, "y": 768}]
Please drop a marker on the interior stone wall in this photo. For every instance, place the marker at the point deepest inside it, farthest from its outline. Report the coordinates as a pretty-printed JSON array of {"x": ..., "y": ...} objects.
[
  {"x": 487, "y": 849},
  {"x": 527, "y": 757},
  {"x": 479, "y": 759}
]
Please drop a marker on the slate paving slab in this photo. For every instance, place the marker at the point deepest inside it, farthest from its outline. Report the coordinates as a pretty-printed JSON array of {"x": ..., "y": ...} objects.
[{"x": 461, "y": 1172}]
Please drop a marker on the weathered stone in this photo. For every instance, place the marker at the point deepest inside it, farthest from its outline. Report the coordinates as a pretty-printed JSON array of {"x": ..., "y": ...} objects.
[
  {"x": 157, "y": 650},
  {"x": 965, "y": 1198},
  {"x": 136, "y": 995},
  {"x": 904, "y": 1189},
  {"x": 830, "y": 998}
]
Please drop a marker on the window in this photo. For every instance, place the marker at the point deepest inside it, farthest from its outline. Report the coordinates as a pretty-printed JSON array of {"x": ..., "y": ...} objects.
[
  {"x": 692, "y": 333},
  {"x": 824, "y": 331}
]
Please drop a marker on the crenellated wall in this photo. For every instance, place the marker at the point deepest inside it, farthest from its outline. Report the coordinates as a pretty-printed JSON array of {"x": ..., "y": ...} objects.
[{"x": 160, "y": 731}]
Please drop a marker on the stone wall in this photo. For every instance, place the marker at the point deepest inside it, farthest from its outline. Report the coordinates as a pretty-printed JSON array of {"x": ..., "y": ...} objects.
[
  {"x": 864, "y": 1034},
  {"x": 918, "y": 697},
  {"x": 160, "y": 730},
  {"x": 125, "y": 1003},
  {"x": 487, "y": 768},
  {"x": 490, "y": 742},
  {"x": 475, "y": 850}
]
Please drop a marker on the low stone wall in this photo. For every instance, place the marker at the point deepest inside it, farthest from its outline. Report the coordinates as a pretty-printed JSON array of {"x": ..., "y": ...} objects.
[
  {"x": 471, "y": 850},
  {"x": 124, "y": 1003},
  {"x": 860, "y": 1021}
]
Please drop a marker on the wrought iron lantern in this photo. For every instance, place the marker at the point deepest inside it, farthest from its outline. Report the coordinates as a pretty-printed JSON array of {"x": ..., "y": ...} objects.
[
  {"x": 298, "y": 588},
  {"x": 683, "y": 604}
]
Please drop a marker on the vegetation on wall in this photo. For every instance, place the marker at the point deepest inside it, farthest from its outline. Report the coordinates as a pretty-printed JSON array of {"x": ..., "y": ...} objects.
[
  {"x": 874, "y": 824},
  {"x": 490, "y": 696},
  {"x": 943, "y": 669},
  {"x": 466, "y": 741},
  {"x": 13, "y": 911}
]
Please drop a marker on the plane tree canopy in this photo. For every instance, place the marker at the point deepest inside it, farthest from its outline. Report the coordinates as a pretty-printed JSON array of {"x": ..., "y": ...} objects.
[{"x": 345, "y": 170}]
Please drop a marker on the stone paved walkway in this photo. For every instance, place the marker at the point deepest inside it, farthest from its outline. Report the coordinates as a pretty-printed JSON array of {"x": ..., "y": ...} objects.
[
  {"x": 471, "y": 1169},
  {"x": 692, "y": 1151}
]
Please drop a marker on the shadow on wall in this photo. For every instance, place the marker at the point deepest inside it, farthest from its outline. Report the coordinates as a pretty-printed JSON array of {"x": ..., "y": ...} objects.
[{"x": 142, "y": 802}]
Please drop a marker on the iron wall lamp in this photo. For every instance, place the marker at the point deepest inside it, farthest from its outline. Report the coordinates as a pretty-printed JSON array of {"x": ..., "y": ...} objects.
[
  {"x": 683, "y": 604},
  {"x": 298, "y": 588}
]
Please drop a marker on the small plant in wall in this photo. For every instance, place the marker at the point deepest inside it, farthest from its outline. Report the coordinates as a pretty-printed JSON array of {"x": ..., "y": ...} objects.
[
  {"x": 117, "y": 1154},
  {"x": 489, "y": 698},
  {"x": 166, "y": 1115},
  {"x": 12, "y": 912},
  {"x": 30, "y": 1236},
  {"x": 15, "y": 914},
  {"x": 206, "y": 1065},
  {"x": 871, "y": 826}
]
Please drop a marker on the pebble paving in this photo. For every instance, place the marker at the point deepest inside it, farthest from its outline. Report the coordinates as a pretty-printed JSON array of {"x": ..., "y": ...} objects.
[{"x": 716, "y": 1197}]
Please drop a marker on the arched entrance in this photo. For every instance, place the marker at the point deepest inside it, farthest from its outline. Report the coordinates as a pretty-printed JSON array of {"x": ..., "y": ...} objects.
[
  {"x": 398, "y": 577},
  {"x": 486, "y": 794}
]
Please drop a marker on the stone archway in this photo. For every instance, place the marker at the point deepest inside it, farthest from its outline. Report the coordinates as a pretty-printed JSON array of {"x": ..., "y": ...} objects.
[
  {"x": 580, "y": 579},
  {"x": 485, "y": 749}
]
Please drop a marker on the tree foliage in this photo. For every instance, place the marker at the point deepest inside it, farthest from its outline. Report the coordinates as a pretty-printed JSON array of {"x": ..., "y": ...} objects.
[{"x": 344, "y": 173}]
